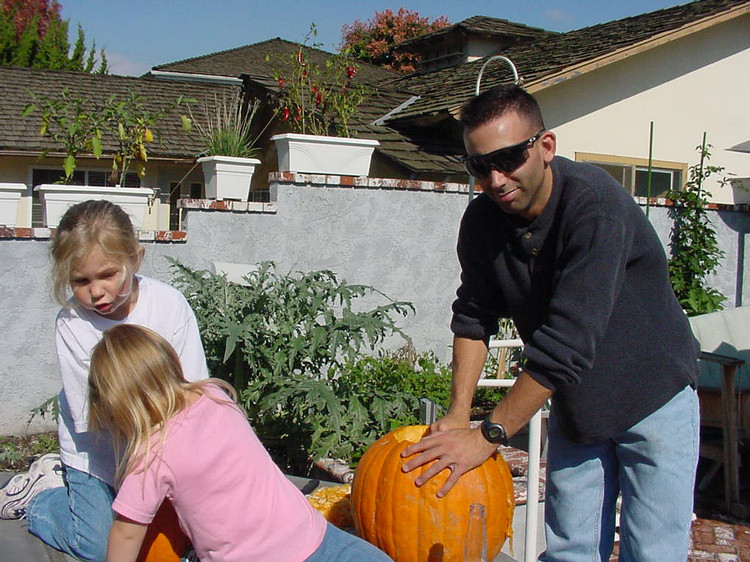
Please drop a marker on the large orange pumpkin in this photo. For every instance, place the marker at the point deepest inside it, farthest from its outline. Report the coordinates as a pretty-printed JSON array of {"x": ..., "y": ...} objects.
[
  {"x": 410, "y": 523},
  {"x": 164, "y": 540}
]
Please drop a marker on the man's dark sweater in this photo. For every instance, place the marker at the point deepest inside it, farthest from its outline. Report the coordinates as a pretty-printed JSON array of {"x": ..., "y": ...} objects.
[{"x": 587, "y": 286}]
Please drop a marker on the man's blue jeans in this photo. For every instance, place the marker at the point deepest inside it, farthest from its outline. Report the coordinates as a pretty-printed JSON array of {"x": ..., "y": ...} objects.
[
  {"x": 76, "y": 518},
  {"x": 652, "y": 464},
  {"x": 343, "y": 547}
]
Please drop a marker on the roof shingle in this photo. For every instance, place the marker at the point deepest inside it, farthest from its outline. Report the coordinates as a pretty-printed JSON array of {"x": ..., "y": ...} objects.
[{"x": 20, "y": 133}]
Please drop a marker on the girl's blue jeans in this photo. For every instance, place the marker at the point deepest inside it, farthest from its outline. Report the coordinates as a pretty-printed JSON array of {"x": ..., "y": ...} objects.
[
  {"x": 652, "y": 465},
  {"x": 340, "y": 546},
  {"x": 76, "y": 518}
]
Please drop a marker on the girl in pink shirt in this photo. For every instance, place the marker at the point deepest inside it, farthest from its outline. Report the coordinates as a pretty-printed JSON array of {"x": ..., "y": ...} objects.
[{"x": 189, "y": 442}]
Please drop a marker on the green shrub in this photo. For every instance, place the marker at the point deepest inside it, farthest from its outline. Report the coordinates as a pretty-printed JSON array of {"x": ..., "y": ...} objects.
[
  {"x": 283, "y": 341},
  {"x": 295, "y": 346},
  {"x": 695, "y": 250}
]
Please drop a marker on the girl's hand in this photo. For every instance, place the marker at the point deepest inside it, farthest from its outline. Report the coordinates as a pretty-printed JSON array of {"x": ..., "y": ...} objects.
[{"x": 125, "y": 539}]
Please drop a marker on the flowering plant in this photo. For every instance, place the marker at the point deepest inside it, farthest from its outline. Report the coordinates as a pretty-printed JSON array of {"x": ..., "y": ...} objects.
[{"x": 318, "y": 99}]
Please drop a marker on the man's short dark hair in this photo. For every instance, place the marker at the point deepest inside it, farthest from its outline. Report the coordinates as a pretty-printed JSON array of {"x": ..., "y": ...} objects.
[{"x": 498, "y": 101}]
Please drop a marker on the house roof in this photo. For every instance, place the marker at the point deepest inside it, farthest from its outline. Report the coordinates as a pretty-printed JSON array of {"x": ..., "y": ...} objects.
[
  {"x": 413, "y": 150},
  {"x": 257, "y": 62},
  {"x": 21, "y": 134},
  {"x": 552, "y": 59},
  {"x": 260, "y": 60},
  {"x": 481, "y": 25}
]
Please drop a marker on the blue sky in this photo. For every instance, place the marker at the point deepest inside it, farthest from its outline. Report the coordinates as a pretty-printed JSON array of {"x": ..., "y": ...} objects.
[{"x": 139, "y": 34}]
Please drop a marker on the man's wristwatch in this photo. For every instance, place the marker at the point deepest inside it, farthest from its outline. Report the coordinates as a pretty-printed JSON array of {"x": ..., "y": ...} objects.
[{"x": 494, "y": 432}]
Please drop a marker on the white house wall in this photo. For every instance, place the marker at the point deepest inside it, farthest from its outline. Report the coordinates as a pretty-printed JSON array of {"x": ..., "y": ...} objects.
[{"x": 689, "y": 86}]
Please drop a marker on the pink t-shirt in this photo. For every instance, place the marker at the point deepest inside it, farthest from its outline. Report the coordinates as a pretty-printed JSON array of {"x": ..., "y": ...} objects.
[{"x": 230, "y": 497}]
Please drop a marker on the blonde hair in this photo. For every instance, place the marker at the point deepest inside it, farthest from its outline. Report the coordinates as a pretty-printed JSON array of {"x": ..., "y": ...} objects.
[
  {"x": 136, "y": 384},
  {"x": 84, "y": 227}
]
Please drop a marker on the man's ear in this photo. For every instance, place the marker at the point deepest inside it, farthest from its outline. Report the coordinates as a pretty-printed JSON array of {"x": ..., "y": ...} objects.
[{"x": 548, "y": 142}]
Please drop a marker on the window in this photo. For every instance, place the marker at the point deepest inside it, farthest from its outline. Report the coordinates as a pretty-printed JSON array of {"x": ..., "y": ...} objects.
[{"x": 632, "y": 173}]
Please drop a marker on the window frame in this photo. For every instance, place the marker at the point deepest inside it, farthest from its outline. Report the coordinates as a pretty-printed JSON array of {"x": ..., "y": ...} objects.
[{"x": 635, "y": 164}]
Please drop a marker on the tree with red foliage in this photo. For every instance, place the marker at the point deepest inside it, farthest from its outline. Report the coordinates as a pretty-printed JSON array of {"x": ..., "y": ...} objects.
[
  {"x": 24, "y": 12},
  {"x": 372, "y": 40},
  {"x": 32, "y": 34}
]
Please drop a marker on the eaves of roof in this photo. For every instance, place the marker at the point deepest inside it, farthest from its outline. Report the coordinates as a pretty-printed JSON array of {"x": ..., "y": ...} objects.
[{"x": 409, "y": 152}]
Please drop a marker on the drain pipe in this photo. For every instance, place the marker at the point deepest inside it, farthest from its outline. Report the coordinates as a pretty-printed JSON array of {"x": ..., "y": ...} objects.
[{"x": 516, "y": 81}]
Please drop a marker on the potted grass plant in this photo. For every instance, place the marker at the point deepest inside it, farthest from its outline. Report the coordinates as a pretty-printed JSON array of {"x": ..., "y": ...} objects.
[
  {"x": 317, "y": 101},
  {"x": 226, "y": 129}
]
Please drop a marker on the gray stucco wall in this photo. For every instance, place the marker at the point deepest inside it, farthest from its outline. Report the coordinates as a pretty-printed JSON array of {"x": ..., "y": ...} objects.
[{"x": 398, "y": 239}]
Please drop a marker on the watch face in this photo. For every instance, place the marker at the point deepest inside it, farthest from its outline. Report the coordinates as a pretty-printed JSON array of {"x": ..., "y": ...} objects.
[{"x": 494, "y": 432}]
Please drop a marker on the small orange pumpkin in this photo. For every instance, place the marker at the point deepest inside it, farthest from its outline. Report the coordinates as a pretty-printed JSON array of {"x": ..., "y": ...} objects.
[
  {"x": 412, "y": 524},
  {"x": 164, "y": 540}
]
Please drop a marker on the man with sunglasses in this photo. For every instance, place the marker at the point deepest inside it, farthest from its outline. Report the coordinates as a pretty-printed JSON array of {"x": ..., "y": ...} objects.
[{"x": 564, "y": 250}]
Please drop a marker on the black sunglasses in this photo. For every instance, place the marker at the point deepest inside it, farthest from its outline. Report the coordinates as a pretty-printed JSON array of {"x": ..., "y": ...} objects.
[{"x": 503, "y": 160}]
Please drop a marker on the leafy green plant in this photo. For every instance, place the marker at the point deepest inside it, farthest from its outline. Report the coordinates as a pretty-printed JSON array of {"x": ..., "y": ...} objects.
[
  {"x": 50, "y": 406},
  {"x": 318, "y": 99},
  {"x": 17, "y": 451},
  {"x": 279, "y": 324},
  {"x": 695, "y": 251},
  {"x": 10, "y": 454},
  {"x": 342, "y": 414},
  {"x": 295, "y": 347},
  {"x": 283, "y": 341},
  {"x": 133, "y": 125},
  {"x": 79, "y": 124},
  {"x": 72, "y": 122}
]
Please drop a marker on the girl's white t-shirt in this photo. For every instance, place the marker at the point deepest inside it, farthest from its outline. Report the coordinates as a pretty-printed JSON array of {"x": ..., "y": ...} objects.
[{"x": 161, "y": 308}]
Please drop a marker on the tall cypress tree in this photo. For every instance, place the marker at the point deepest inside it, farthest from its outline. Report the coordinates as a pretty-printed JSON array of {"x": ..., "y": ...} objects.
[{"x": 32, "y": 34}]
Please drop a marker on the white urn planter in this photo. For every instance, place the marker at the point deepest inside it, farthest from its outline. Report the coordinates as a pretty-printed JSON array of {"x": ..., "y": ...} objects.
[
  {"x": 56, "y": 199},
  {"x": 316, "y": 154},
  {"x": 228, "y": 177},
  {"x": 10, "y": 197}
]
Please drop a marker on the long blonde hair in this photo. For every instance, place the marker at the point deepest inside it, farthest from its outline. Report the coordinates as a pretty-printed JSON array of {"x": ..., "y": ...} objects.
[
  {"x": 84, "y": 227},
  {"x": 136, "y": 385}
]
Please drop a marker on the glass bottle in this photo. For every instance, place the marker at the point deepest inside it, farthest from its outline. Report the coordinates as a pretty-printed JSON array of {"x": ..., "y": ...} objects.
[{"x": 475, "y": 549}]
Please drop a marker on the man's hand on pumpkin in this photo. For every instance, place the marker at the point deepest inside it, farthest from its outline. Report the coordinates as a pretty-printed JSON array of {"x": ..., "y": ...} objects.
[{"x": 458, "y": 450}]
